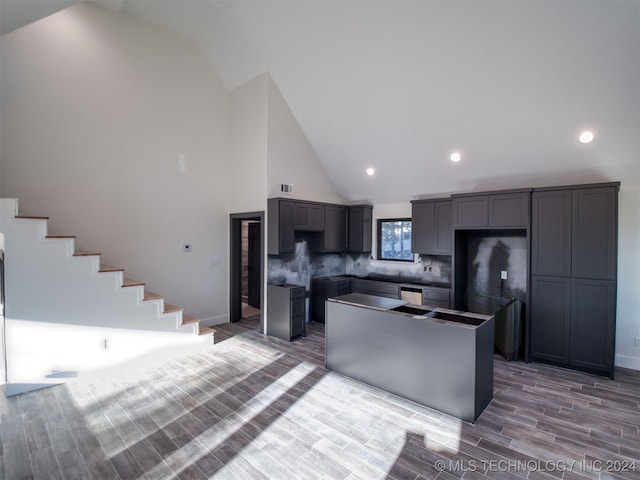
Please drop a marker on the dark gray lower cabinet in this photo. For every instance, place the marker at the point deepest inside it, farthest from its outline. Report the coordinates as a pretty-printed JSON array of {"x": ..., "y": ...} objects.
[
  {"x": 375, "y": 287},
  {"x": 323, "y": 288},
  {"x": 574, "y": 322},
  {"x": 436, "y": 297},
  {"x": 551, "y": 307},
  {"x": 286, "y": 306},
  {"x": 593, "y": 317}
]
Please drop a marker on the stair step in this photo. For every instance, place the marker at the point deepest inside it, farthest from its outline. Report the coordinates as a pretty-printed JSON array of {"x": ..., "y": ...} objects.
[
  {"x": 107, "y": 268},
  {"x": 30, "y": 217},
  {"x": 149, "y": 296},
  {"x": 188, "y": 319},
  {"x": 132, "y": 283},
  {"x": 203, "y": 330},
  {"x": 168, "y": 308},
  {"x": 86, "y": 254}
]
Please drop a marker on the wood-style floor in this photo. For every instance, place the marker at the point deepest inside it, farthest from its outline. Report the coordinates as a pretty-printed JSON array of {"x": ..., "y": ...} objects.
[{"x": 255, "y": 407}]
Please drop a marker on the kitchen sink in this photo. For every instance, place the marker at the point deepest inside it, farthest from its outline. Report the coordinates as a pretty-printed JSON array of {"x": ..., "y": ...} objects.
[
  {"x": 411, "y": 310},
  {"x": 447, "y": 317}
]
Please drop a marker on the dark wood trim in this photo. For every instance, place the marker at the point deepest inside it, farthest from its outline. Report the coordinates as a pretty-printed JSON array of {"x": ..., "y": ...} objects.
[{"x": 235, "y": 264}]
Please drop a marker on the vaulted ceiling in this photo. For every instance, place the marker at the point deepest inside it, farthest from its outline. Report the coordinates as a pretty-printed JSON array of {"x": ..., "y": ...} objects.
[{"x": 398, "y": 86}]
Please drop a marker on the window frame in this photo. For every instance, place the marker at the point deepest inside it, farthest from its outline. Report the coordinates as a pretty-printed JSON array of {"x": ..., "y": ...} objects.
[{"x": 379, "y": 255}]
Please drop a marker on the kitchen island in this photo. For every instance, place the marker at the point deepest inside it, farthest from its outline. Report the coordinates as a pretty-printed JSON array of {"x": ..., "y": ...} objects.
[{"x": 444, "y": 361}]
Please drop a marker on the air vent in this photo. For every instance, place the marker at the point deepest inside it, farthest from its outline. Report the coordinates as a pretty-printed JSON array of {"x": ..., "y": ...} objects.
[{"x": 286, "y": 188}]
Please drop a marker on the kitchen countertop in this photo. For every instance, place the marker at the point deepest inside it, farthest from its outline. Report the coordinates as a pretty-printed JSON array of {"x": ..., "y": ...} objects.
[
  {"x": 392, "y": 279},
  {"x": 371, "y": 301},
  {"x": 417, "y": 311}
]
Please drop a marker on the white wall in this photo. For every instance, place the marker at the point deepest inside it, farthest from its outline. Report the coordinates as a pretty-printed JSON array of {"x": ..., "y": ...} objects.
[
  {"x": 628, "y": 321},
  {"x": 119, "y": 131},
  {"x": 247, "y": 177},
  {"x": 290, "y": 156}
]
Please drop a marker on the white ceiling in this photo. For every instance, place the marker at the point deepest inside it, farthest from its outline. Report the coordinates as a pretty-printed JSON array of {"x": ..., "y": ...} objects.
[{"x": 400, "y": 85}]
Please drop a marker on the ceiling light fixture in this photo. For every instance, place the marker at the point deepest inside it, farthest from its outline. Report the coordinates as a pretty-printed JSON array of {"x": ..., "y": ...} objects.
[
  {"x": 455, "y": 157},
  {"x": 586, "y": 136},
  {"x": 370, "y": 171}
]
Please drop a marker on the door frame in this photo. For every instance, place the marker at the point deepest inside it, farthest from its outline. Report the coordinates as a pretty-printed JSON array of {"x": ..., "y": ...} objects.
[{"x": 235, "y": 264}]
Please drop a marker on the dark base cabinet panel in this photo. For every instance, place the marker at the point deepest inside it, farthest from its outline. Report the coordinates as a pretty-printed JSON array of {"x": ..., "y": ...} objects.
[
  {"x": 593, "y": 305},
  {"x": 324, "y": 288},
  {"x": 550, "y": 318},
  {"x": 573, "y": 322},
  {"x": 286, "y": 307}
]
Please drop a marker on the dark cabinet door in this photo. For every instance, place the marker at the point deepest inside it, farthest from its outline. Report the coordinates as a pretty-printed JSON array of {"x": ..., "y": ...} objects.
[
  {"x": 360, "y": 218},
  {"x": 335, "y": 229},
  {"x": 422, "y": 231},
  {"x": 593, "y": 305},
  {"x": 594, "y": 233},
  {"x": 471, "y": 211},
  {"x": 308, "y": 216},
  {"x": 280, "y": 235},
  {"x": 286, "y": 241},
  {"x": 551, "y": 233},
  {"x": 432, "y": 227},
  {"x": 509, "y": 210},
  {"x": 443, "y": 237},
  {"x": 550, "y": 318},
  {"x": 492, "y": 210},
  {"x": 297, "y": 317}
]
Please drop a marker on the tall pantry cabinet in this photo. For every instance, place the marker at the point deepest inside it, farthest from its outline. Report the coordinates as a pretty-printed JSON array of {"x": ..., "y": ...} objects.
[{"x": 573, "y": 276}]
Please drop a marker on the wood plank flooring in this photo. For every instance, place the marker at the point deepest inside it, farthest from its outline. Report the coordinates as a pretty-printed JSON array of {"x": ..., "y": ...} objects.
[{"x": 255, "y": 407}]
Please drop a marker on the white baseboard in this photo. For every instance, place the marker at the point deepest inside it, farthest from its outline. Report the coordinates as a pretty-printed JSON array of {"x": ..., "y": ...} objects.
[{"x": 632, "y": 363}]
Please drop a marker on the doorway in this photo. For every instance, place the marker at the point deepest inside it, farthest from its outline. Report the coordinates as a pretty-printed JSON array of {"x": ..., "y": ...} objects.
[{"x": 247, "y": 267}]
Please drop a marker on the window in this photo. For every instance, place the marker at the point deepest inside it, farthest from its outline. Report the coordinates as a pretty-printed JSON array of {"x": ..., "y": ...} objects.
[{"x": 394, "y": 239}]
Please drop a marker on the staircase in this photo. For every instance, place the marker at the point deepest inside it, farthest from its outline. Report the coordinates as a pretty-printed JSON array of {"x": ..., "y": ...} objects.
[{"x": 47, "y": 280}]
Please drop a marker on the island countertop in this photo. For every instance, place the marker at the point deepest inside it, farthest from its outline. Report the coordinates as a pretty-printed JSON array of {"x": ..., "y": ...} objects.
[{"x": 370, "y": 301}]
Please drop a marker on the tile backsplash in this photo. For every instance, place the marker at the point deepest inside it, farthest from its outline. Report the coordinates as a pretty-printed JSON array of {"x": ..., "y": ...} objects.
[
  {"x": 301, "y": 266},
  {"x": 435, "y": 269}
]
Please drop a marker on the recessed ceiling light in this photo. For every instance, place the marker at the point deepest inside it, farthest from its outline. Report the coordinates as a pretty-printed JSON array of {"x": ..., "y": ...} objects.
[
  {"x": 370, "y": 171},
  {"x": 455, "y": 157},
  {"x": 586, "y": 136}
]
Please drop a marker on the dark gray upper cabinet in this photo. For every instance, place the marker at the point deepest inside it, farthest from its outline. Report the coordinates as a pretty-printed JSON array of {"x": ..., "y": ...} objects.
[
  {"x": 551, "y": 233},
  {"x": 499, "y": 209},
  {"x": 509, "y": 209},
  {"x": 432, "y": 229},
  {"x": 308, "y": 216},
  {"x": 280, "y": 234},
  {"x": 594, "y": 240},
  {"x": 574, "y": 232},
  {"x": 360, "y": 228},
  {"x": 334, "y": 228},
  {"x": 334, "y": 236},
  {"x": 471, "y": 211}
]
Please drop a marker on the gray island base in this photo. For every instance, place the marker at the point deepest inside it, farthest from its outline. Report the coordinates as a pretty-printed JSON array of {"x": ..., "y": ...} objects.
[{"x": 444, "y": 362}]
